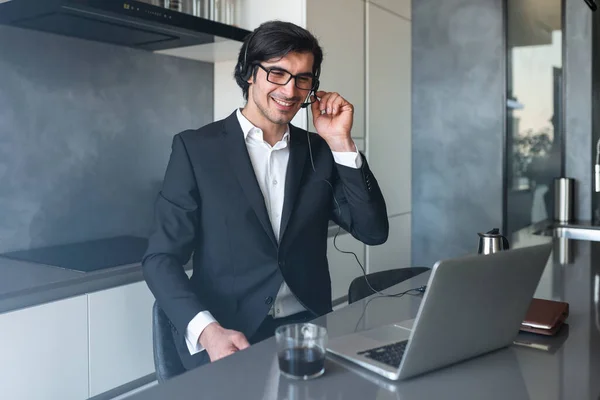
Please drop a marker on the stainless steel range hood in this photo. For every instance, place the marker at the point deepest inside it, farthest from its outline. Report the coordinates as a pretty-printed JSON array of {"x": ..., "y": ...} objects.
[{"x": 124, "y": 22}]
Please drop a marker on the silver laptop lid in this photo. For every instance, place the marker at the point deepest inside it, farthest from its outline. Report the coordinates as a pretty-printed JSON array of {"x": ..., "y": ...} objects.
[{"x": 473, "y": 305}]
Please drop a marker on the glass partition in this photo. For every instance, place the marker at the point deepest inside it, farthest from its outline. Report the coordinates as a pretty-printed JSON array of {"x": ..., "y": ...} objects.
[{"x": 534, "y": 134}]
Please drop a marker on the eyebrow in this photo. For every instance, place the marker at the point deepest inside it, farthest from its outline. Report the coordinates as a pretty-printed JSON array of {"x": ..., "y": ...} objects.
[{"x": 281, "y": 68}]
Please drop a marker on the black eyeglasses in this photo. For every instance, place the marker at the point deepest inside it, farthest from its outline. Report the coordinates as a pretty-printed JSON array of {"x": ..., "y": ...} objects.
[{"x": 280, "y": 76}]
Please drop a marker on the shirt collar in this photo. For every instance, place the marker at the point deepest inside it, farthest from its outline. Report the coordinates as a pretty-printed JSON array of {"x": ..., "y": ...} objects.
[{"x": 247, "y": 127}]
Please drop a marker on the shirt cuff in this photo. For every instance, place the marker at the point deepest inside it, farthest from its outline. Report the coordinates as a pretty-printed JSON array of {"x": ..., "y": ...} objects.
[
  {"x": 351, "y": 159},
  {"x": 194, "y": 330}
]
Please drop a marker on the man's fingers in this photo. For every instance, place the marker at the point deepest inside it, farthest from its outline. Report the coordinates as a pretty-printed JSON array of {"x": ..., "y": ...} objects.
[
  {"x": 221, "y": 354},
  {"x": 225, "y": 343},
  {"x": 240, "y": 341},
  {"x": 315, "y": 107},
  {"x": 323, "y": 100},
  {"x": 225, "y": 353},
  {"x": 332, "y": 102}
]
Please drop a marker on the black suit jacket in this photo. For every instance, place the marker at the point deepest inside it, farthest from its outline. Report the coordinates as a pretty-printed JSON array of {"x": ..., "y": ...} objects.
[{"x": 211, "y": 206}]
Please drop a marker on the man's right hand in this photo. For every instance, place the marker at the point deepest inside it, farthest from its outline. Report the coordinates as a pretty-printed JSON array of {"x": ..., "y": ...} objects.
[{"x": 220, "y": 342}]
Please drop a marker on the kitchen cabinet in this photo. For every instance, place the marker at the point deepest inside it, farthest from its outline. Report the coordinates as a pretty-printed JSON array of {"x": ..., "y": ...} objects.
[
  {"x": 120, "y": 345},
  {"x": 389, "y": 106},
  {"x": 395, "y": 253},
  {"x": 389, "y": 147},
  {"x": 343, "y": 41},
  {"x": 360, "y": 144},
  {"x": 44, "y": 351},
  {"x": 254, "y": 12},
  {"x": 343, "y": 268},
  {"x": 400, "y": 7},
  {"x": 210, "y": 52},
  {"x": 227, "y": 95}
]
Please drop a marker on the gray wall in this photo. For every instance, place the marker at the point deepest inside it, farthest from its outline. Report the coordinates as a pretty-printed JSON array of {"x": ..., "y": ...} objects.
[
  {"x": 457, "y": 125},
  {"x": 85, "y": 135},
  {"x": 578, "y": 103}
]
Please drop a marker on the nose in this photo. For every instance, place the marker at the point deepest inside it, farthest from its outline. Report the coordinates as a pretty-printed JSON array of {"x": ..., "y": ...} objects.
[{"x": 290, "y": 90}]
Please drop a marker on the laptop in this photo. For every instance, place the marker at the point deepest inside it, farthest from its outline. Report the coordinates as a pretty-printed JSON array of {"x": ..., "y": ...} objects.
[{"x": 472, "y": 305}]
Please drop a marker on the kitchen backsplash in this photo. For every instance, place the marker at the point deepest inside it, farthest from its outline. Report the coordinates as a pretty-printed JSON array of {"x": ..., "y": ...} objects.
[{"x": 85, "y": 135}]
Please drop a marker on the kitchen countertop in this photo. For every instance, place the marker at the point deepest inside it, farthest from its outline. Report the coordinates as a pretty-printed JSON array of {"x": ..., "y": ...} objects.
[
  {"x": 569, "y": 369},
  {"x": 41, "y": 275},
  {"x": 18, "y": 276},
  {"x": 25, "y": 283}
]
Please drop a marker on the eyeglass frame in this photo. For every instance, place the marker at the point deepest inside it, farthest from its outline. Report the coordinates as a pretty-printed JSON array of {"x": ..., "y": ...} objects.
[{"x": 304, "y": 74}]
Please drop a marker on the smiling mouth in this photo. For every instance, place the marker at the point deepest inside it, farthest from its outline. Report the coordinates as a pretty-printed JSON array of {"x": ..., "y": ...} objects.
[{"x": 283, "y": 103}]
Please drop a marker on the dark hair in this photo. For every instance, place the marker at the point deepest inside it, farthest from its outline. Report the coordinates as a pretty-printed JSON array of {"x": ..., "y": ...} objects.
[{"x": 274, "y": 39}]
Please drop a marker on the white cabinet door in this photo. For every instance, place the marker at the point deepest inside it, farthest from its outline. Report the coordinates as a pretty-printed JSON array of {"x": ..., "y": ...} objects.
[
  {"x": 254, "y": 12},
  {"x": 339, "y": 27},
  {"x": 395, "y": 253},
  {"x": 400, "y": 7},
  {"x": 389, "y": 106},
  {"x": 227, "y": 95},
  {"x": 120, "y": 321},
  {"x": 43, "y": 351},
  {"x": 343, "y": 267}
]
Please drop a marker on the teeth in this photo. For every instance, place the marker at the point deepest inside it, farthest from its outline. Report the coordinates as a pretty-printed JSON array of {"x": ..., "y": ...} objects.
[{"x": 283, "y": 103}]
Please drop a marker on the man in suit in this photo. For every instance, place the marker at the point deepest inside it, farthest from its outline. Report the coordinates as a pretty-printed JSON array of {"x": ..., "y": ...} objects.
[{"x": 251, "y": 197}]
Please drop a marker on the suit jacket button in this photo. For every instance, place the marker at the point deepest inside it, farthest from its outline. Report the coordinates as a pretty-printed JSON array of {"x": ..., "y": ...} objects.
[{"x": 268, "y": 300}]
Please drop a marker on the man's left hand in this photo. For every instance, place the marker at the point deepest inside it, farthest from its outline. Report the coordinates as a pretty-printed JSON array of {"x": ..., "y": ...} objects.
[{"x": 332, "y": 118}]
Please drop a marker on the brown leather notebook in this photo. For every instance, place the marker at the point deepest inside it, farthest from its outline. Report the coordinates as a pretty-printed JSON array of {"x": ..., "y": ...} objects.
[{"x": 545, "y": 317}]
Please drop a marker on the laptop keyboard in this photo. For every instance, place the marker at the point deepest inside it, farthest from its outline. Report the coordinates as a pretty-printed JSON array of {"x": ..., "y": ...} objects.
[{"x": 390, "y": 354}]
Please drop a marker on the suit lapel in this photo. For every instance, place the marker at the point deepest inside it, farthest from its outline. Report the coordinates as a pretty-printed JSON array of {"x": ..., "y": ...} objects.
[
  {"x": 296, "y": 164},
  {"x": 239, "y": 159}
]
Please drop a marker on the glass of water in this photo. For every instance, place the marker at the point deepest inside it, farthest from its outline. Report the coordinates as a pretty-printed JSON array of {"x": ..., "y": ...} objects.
[{"x": 301, "y": 350}]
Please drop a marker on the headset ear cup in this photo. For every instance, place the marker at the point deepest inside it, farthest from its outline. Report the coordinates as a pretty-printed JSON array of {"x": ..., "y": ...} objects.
[{"x": 247, "y": 72}]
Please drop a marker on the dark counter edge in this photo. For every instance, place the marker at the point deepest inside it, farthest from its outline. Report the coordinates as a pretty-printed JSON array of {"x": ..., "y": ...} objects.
[{"x": 88, "y": 283}]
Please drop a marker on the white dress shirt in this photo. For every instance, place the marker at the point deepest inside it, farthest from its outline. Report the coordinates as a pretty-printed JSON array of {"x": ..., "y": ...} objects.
[{"x": 270, "y": 166}]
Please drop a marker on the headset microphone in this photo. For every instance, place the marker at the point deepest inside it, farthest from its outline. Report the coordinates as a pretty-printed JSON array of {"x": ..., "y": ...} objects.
[
  {"x": 306, "y": 104},
  {"x": 313, "y": 90}
]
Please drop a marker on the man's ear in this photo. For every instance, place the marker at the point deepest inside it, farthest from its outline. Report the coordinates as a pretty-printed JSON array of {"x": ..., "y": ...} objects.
[
  {"x": 249, "y": 89},
  {"x": 250, "y": 79}
]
